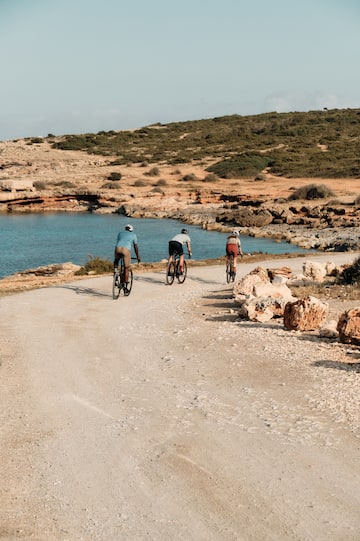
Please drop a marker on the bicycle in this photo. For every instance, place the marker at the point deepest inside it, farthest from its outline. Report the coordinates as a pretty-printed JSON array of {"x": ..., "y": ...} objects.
[
  {"x": 230, "y": 270},
  {"x": 173, "y": 270},
  {"x": 119, "y": 283}
]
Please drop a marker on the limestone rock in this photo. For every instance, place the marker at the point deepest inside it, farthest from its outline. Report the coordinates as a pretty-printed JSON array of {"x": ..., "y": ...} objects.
[
  {"x": 246, "y": 284},
  {"x": 329, "y": 329},
  {"x": 262, "y": 309},
  {"x": 349, "y": 326},
  {"x": 305, "y": 314},
  {"x": 314, "y": 271}
]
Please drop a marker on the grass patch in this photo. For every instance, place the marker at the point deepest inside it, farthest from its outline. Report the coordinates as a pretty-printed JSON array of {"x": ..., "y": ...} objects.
[{"x": 96, "y": 265}]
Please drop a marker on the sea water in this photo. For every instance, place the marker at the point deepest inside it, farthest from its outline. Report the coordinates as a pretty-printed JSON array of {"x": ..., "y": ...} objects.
[{"x": 33, "y": 240}]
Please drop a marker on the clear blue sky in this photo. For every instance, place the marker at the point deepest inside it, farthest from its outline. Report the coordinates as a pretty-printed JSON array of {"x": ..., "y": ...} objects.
[{"x": 77, "y": 66}]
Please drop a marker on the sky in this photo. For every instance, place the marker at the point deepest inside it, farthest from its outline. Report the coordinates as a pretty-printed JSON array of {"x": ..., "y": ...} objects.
[{"x": 83, "y": 66}]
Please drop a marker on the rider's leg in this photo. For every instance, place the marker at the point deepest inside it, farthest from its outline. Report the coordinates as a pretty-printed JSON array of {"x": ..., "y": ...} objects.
[
  {"x": 116, "y": 259},
  {"x": 127, "y": 259}
]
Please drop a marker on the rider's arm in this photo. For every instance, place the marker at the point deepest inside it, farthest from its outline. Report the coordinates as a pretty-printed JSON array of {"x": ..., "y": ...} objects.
[
  {"x": 188, "y": 245},
  {"x": 137, "y": 252},
  {"x": 240, "y": 249}
]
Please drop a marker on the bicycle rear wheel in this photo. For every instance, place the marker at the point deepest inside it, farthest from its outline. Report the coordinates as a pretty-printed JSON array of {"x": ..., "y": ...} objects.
[
  {"x": 170, "y": 273},
  {"x": 181, "y": 277},
  {"x": 129, "y": 284},
  {"x": 116, "y": 285},
  {"x": 230, "y": 270}
]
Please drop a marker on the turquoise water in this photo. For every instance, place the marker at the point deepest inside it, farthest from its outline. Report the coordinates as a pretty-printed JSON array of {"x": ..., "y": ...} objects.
[{"x": 33, "y": 240}]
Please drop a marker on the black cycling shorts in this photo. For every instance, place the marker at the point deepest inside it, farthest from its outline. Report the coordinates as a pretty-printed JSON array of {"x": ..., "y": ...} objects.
[{"x": 175, "y": 246}]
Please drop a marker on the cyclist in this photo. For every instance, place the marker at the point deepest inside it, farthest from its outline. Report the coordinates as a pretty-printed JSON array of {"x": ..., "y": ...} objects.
[
  {"x": 233, "y": 246},
  {"x": 124, "y": 242},
  {"x": 176, "y": 244}
]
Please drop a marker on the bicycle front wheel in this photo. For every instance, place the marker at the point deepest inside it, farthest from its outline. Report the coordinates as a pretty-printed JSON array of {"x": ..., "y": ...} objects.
[
  {"x": 170, "y": 273},
  {"x": 116, "y": 285},
  {"x": 182, "y": 277},
  {"x": 129, "y": 284}
]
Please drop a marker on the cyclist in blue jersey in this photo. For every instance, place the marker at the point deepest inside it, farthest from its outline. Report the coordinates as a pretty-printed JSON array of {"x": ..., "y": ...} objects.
[{"x": 125, "y": 241}]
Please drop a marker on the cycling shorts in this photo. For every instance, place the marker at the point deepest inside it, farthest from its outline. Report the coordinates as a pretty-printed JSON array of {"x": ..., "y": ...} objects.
[
  {"x": 175, "y": 246},
  {"x": 232, "y": 249}
]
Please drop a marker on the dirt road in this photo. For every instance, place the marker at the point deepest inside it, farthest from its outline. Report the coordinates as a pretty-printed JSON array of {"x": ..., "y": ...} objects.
[{"x": 161, "y": 416}]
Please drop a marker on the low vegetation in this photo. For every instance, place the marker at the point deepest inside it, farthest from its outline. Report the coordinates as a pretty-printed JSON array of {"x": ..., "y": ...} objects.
[
  {"x": 314, "y": 144},
  {"x": 312, "y": 191},
  {"x": 351, "y": 274},
  {"x": 95, "y": 265}
]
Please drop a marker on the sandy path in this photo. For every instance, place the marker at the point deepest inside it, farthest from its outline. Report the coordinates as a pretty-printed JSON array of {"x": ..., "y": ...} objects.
[{"x": 160, "y": 416}]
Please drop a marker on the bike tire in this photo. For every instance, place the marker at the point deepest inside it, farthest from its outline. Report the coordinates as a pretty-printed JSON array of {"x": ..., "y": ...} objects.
[
  {"x": 181, "y": 277},
  {"x": 228, "y": 272},
  {"x": 170, "y": 273},
  {"x": 128, "y": 288},
  {"x": 116, "y": 285}
]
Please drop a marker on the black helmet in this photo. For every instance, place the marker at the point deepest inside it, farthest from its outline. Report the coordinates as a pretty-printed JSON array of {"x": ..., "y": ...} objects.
[{"x": 184, "y": 231}]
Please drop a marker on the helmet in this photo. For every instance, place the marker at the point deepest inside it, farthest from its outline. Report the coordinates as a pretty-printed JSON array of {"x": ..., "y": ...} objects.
[
  {"x": 235, "y": 233},
  {"x": 129, "y": 227},
  {"x": 184, "y": 231}
]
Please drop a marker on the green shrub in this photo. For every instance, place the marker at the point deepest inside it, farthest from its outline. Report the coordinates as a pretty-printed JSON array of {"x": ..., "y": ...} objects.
[
  {"x": 65, "y": 184},
  {"x": 96, "y": 265},
  {"x": 161, "y": 182},
  {"x": 190, "y": 177},
  {"x": 154, "y": 172},
  {"x": 211, "y": 177},
  {"x": 115, "y": 175},
  {"x": 39, "y": 185},
  {"x": 312, "y": 191},
  {"x": 112, "y": 185},
  {"x": 351, "y": 275},
  {"x": 245, "y": 165},
  {"x": 140, "y": 183}
]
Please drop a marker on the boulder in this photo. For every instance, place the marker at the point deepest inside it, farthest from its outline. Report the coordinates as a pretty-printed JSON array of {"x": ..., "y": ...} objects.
[
  {"x": 259, "y": 299},
  {"x": 348, "y": 326},
  {"x": 17, "y": 185},
  {"x": 305, "y": 314},
  {"x": 329, "y": 329},
  {"x": 285, "y": 272},
  {"x": 314, "y": 271},
  {"x": 246, "y": 284},
  {"x": 262, "y": 309}
]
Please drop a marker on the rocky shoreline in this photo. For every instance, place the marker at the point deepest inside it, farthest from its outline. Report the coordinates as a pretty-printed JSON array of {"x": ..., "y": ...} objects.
[{"x": 39, "y": 178}]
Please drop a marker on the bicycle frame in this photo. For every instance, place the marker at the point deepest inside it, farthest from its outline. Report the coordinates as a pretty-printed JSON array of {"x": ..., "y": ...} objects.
[{"x": 173, "y": 270}]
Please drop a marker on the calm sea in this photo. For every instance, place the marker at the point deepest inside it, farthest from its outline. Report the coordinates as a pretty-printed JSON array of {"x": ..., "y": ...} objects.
[{"x": 33, "y": 240}]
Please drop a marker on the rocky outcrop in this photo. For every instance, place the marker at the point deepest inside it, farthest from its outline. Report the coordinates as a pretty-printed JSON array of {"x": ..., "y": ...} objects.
[
  {"x": 258, "y": 298},
  {"x": 314, "y": 271},
  {"x": 305, "y": 314},
  {"x": 348, "y": 327}
]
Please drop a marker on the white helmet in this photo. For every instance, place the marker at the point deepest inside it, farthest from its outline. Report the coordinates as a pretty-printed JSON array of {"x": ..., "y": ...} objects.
[
  {"x": 235, "y": 233},
  {"x": 129, "y": 227}
]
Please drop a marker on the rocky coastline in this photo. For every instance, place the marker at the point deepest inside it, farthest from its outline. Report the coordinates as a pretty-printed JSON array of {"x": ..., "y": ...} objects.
[{"x": 38, "y": 178}]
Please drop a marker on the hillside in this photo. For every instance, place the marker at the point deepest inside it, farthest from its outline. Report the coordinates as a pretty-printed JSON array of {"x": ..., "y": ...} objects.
[{"x": 223, "y": 172}]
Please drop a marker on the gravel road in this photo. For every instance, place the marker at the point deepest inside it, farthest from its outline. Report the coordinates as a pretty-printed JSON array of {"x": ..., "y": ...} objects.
[{"x": 161, "y": 416}]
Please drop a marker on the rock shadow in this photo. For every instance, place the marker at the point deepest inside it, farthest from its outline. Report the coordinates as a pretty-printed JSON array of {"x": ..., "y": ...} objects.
[{"x": 336, "y": 365}]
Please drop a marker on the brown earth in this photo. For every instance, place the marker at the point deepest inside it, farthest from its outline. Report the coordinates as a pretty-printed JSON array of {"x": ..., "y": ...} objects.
[{"x": 41, "y": 163}]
